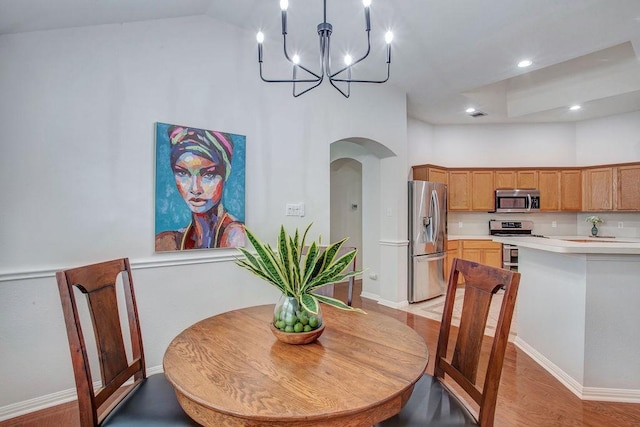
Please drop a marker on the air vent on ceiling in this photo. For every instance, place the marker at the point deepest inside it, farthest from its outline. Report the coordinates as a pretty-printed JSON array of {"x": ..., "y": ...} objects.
[{"x": 477, "y": 114}]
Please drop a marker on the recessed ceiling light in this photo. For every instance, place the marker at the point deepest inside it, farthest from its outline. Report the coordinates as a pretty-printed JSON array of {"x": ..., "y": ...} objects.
[
  {"x": 525, "y": 63},
  {"x": 575, "y": 107},
  {"x": 470, "y": 110}
]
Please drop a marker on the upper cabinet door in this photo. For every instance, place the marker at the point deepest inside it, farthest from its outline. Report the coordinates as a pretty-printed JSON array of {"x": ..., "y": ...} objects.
[
  {"x": 527, "y": 179},
  {"x": 571, "y": 190},
  {"x": 597, "y": 189},
  {"x": 437, "y": 175},
  {"x": 628, "y": 188},
  {"x": 505, "y": 179},
  {"x": 483, "y": 196},
  {"x": 549, "y": 185},
  {"x": 429, "y": 173},
  {"x": 459, "y": 190}
]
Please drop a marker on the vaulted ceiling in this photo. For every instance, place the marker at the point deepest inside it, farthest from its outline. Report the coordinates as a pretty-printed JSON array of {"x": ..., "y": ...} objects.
[{"x": 447, "y": 55}]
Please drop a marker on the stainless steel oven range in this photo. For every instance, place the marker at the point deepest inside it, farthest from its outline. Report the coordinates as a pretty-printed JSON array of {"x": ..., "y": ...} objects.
[{"x": 511, "y": 229}]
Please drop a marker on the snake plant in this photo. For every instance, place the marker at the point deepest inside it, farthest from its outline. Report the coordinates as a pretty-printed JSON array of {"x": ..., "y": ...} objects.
[{"x": 296, "y": 272}]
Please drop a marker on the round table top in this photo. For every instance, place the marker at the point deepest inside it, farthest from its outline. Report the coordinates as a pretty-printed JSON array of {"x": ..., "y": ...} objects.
[{"x": 230, "y": 370}]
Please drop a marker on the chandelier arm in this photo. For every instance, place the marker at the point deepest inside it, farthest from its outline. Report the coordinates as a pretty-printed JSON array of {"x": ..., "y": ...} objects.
[
  {"x": 364, "y": 81},
  {"x": 306, "y": 90},
  {"x": 302, "y": 67},
  {"x": 345, "y": 94},
  {"x": 264, "y": 79},
  {"x": 331, "y": 76}
]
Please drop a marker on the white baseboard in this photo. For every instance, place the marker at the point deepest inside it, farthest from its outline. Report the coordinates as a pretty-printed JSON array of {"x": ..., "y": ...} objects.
[
  {"x": 584, "y": 393},
  {"x": 386, "y": 303},
  {"x": 370, "y": 296},
  {"x": 36, "y": 404},
  {"x": 611, "y": 394},
  {"x": 393, "y": 304},
  {"x": 49, "y": 400}
]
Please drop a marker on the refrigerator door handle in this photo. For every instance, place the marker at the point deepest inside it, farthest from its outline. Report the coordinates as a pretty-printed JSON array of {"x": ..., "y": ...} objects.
[
  {"x": 435, "y": 209},
  {"x": 430, "y": 257}
]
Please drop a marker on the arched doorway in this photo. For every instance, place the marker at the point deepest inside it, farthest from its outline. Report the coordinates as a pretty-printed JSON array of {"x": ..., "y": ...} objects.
[
  {"x": 359, "y": 159},
  {"x": 346, "y": 203}
]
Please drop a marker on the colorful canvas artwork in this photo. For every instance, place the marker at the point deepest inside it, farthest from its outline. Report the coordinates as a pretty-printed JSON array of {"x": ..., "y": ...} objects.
[{"x": 200, "y": 188}]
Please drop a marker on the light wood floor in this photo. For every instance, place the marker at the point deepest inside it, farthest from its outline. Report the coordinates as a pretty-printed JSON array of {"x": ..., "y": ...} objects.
[{"x": 528, "y": 395}]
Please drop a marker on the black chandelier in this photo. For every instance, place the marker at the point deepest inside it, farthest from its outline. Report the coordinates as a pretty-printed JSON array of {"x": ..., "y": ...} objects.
[{"x": 324, "y": 33}]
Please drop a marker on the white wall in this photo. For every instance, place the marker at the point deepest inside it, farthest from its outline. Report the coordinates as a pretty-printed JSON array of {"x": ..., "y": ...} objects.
[
  {"x": 421, "y": 142},
  {"x": 614, "y": 139},
  {"x": 77, "y": 115},
  {"x": 505, "y": 145}
]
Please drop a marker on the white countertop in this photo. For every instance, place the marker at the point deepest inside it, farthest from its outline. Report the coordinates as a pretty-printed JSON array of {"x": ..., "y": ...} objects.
[{"x": 568, "y": 244}]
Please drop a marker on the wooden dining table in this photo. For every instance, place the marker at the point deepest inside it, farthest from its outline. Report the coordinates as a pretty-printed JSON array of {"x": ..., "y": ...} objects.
[{"x": 230, "y": 370}]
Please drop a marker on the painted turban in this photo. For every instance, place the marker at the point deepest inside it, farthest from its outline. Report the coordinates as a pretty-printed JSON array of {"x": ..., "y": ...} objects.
[{"x": 215, "y": 146}]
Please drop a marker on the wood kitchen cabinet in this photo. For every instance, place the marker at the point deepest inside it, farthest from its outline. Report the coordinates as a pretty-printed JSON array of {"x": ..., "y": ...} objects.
[
  {"x": 459, "y": 190},
  {"x": 420, "y": 173},
  {"x": 571, "y": 190},
  {"x": 605, "y": 188},
  {"x": 507, "y": 179},
  {"x": 611, "y": 188},
  {"x": 549, "y": 186},
  {"x": 471, "y": 190},
  {"x": 560, "y": 190},
  {"x": 429, "y": 173},
  {"x": 527, "y": 179},
  {"x": 597, "y": 189},
  {"x": 437, "y": 175},
  {"x": 627, "y": 179},
  {"x": 482, "y": 251},
  {"x": 482, "y": 191}
]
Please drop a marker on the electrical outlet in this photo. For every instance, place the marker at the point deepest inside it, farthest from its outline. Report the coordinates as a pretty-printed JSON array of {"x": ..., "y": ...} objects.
[
  {"x": 620, "y": 224},
  {"x": 460, "y": 224},
  {"x": 294, "y": 209},
  {"x": 554, "y": 224}
]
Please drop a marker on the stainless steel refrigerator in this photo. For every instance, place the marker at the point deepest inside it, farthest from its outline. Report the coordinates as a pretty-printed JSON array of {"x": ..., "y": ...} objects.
[{"x": 427, "y": 239}]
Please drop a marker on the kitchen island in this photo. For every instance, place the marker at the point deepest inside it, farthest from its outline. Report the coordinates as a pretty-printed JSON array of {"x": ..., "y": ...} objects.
[{"x": 578, "y": 312}]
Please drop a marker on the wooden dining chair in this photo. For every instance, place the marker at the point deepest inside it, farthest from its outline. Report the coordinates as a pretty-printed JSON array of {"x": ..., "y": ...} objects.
[
  {"x": 436, "y": 401},
  {"x": 144, "y": 401}
]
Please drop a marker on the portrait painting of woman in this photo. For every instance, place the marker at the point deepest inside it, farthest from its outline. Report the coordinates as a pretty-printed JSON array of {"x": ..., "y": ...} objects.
[{"x": 199, "y": 188}]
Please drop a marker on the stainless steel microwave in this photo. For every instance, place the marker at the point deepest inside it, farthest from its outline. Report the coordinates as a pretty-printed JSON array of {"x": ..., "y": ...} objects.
[{"x": 517, "y": 201}]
